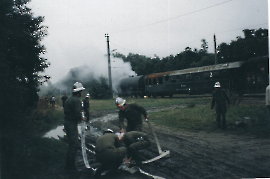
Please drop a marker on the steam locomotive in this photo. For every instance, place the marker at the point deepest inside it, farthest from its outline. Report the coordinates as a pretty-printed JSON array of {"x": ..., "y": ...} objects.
[{"x": 242, "y": 77}]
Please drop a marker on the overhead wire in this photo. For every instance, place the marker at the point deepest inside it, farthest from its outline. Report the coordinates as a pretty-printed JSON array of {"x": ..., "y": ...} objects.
[{"x": 172, "y": 17}]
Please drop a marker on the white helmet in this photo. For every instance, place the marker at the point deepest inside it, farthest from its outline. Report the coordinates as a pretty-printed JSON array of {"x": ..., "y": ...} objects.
[
  {"x": 108, "y": 131},
  {"x": 119, "y": 102},
  {"x": 87, "y": 95},
  {"x": 78, "y": 87},
  {"x": 217, "y": 85}
]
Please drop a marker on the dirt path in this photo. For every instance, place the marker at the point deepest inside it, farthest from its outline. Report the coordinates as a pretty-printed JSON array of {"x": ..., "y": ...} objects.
[{"x": 193, "y": 154}]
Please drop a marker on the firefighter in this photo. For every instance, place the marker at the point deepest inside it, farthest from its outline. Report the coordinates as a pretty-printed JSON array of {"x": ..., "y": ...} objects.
[
  {"x": 219, "y": 99},
  {"x": 86, "y": 106},
  {"x": 109, "y": 152},
  {"x": 134, "y": 142},
  {"x": 53, "y": 101},
  {"x": 64, "y": 98},
  {"x": 133, "y": 113},
  {"x": 73, "y": 115},
  {"x": 46, "y": 100}
]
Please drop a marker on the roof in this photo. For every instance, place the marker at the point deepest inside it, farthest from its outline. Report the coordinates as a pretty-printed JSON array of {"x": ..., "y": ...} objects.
[{"x": 198, "y": 69}]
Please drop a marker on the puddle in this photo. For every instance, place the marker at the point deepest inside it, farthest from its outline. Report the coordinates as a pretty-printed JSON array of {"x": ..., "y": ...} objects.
[
  {"x": 59, "y": 132},
  {"x": 107, "y": 117}
]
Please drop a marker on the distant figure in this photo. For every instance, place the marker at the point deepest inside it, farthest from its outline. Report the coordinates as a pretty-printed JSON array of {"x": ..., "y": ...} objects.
[
  {"x": 109, "y": 152},
  {"x": 53, "y": 101},
  {"x": 64, "y": 98},
  {"x": 86, "y": 106},
  {"x": 133, "y": 113},
  {"x": 41, "y": 99},
  {"x": 219, "y": 99}
]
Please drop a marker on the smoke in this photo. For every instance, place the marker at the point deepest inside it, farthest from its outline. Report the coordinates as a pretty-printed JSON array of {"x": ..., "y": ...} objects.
[{"x": 86, "y": 73}]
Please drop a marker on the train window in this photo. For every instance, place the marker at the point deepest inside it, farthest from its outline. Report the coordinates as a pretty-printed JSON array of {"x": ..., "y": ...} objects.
[
  {"x": 154, "y": 81},
  {"x": 160, "y": 79},
  {"x": 147, "y": 81},
  {"x": 225, "y": 72},
  {"x": 180, "y": 78},
  {"x": 188, "y": 77},
  {"x": 216, "y": 73},
  {"x": 150, "y": 81},
  {"x": 197, "y": 77},
  {"x": 167, "y": 78},
  {"x": 173, "y": 79}
]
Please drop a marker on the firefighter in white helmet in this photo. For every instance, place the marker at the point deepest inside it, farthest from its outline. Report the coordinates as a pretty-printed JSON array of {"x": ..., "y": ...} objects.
[
  {"x": 133, "y": 113},
  {"x": 72, "y": 111},
  {"x": 219, "y": 100}
]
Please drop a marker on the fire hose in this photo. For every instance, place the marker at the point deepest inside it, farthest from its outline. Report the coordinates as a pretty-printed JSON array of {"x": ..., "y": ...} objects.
[{"x": 83, "y": 127}]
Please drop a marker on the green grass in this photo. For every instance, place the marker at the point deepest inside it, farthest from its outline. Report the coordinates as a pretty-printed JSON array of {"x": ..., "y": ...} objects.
[
  {"x": 97, "y": 105},
  {"x": 201, "y": 118}
]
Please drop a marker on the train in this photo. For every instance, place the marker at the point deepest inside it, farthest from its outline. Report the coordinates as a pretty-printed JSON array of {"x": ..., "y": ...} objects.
[{"x": 242, "y": 77}]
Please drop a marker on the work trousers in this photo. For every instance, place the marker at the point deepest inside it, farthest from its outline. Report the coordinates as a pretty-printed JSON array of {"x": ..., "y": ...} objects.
[
  {"x": 221, "y": 112},
  {"x": 110, "y": 159},
  {"x": 133, "y": 149},
  {"x": 72, "y": 136},
  {"x": 87, "y": 115}
]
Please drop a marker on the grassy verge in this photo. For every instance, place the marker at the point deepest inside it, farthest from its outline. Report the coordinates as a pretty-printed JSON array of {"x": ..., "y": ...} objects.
[
  {"x": 97, "y": 105},
  {"x": 201, "y": 118}
]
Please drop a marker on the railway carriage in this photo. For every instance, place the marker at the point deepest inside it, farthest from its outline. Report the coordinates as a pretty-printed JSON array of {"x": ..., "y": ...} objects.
[
  {"x": 194, "y": 80},
  {"x": 242, "y": 77}
]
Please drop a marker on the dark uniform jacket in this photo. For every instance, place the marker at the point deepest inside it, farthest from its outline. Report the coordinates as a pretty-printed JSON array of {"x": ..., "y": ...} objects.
[
  {"x": 64, "y": 98},
  {"x": 133, "y": 113},
  {"x": 107, "y": 141},
  {"x": 72, "y": 109},
  {"x": 219, "y": 98},
  {"x": 86, "y": 104}
]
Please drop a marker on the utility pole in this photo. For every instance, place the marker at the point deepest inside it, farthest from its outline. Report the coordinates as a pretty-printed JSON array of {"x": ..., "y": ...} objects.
[
  {"x": 215, "y": 45},
  {"x": 109, "y": 66}
]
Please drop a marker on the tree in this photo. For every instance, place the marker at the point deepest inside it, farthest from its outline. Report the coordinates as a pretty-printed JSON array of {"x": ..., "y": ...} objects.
[
  {"x": 99, "y": 88},
  {"x": 254, "y": 44},
  {"x": 20, "y": 60}
]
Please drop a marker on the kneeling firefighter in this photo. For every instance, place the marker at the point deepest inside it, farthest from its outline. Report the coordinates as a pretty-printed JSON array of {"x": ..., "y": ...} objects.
[
  {"x": 134, "y": 142},
  {"x": 109, "y": 152}
]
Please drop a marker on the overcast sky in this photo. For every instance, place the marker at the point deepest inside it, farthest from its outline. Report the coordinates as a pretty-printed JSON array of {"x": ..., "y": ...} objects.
[{"x": 163, "y": 27}]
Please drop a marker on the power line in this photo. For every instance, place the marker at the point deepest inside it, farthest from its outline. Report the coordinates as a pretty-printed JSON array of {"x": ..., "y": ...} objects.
[
  {"x": 173, "y": 17},
  {"x": 197, "y": 39}
]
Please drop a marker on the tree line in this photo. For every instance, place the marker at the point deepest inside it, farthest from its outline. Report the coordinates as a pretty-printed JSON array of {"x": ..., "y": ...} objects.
[{"x": 253, "y": 44}]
